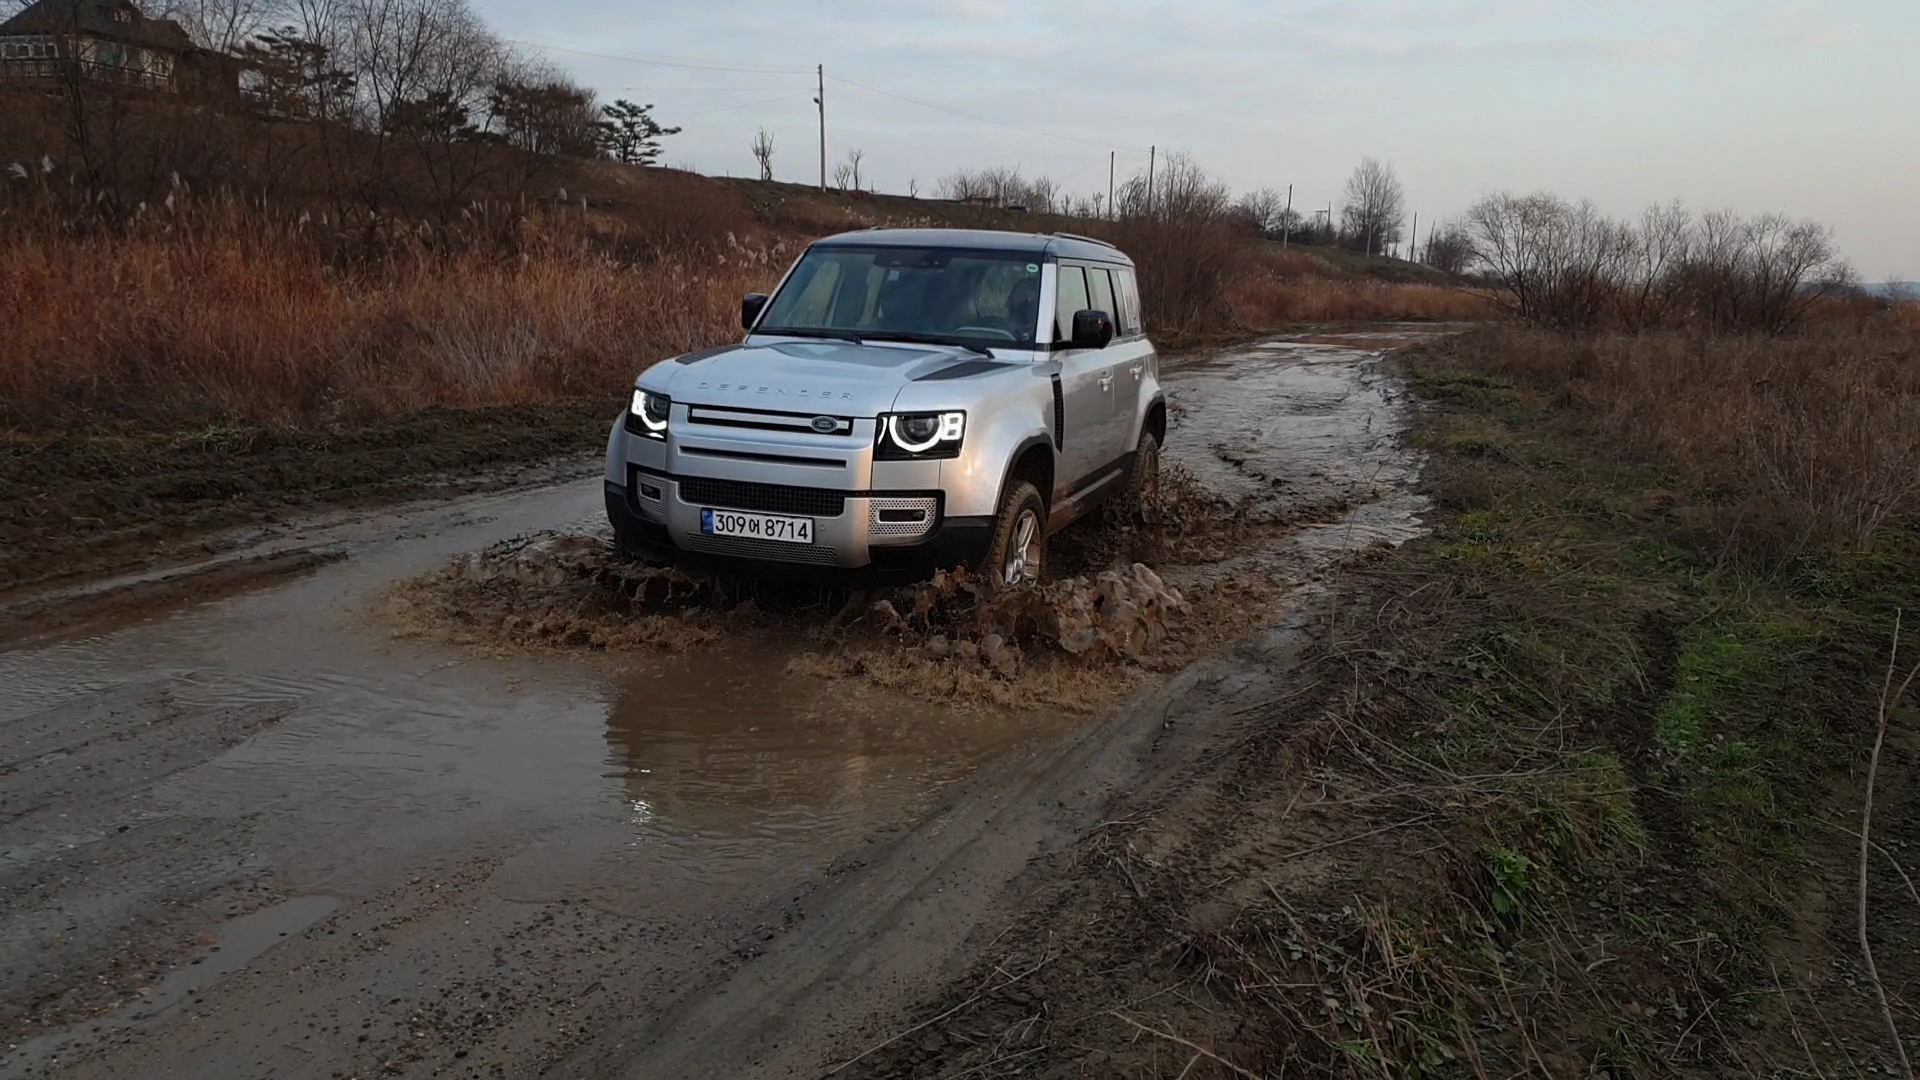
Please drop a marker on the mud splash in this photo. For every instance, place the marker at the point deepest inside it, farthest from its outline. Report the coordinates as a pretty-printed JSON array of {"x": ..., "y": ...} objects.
[
  {"x": 1076, "y": 642},
  {"x": 563, "y": 591}
]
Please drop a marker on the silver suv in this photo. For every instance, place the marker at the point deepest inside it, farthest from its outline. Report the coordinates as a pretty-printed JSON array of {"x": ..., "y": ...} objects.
[{"x": 906, "y": 401}]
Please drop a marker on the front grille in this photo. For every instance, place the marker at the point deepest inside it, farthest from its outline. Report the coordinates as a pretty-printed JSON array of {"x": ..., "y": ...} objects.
[
  {"x": 720, "y": 416},
  {"x": 745, "y": 547},
  {"x": 763, "y": 498}
]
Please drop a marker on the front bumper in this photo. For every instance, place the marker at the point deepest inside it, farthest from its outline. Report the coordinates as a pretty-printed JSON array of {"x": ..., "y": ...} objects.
[{"x": 658, "y": 514}]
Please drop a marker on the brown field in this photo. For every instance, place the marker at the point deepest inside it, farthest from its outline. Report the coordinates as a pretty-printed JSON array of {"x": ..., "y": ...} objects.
[
  {"x": 1813, "y": 438},
  {"x": 244, "y": 322},
  {"x": 300, "y": 312}
]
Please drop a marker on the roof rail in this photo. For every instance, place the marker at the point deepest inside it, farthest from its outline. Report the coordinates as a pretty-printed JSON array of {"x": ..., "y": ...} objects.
[{"x": 1088, "y": 239}]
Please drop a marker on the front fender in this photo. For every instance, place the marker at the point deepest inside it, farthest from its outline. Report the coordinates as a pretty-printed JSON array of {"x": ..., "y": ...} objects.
[{"x": 974, "y": 480}]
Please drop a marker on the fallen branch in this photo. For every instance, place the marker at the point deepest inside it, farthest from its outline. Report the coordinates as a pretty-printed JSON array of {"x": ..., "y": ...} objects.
[
  {"x": 1193, "y": 1046},
  {"x": 1889, "y": 698},
  {"x": 924, "y": 1024},
  {"x": 1303, "y": 852}
]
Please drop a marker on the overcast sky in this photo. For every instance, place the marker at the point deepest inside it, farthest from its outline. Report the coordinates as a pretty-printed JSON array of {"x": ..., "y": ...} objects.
[{"x": 1811, "y": 107}]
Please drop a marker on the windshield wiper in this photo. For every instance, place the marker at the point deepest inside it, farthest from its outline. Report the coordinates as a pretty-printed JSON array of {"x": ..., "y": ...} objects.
[
  {"x": 936, "y": 339},
  {"x": 811, "y": 332}
]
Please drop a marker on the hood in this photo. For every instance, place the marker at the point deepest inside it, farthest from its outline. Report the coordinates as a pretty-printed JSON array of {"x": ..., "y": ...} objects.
[{"x": 833, "y": 377}]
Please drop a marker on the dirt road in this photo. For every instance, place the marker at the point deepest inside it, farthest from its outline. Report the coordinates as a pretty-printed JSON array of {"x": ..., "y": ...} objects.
[{"x": 246, "y": 831}]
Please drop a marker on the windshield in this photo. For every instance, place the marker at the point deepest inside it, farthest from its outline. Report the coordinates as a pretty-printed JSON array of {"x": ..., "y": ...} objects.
[{"x": 975, "y": 298}]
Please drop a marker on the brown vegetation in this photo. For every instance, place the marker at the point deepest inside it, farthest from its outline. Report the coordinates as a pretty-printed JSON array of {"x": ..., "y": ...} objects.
[
  {"x": 1812, "y": 439},
  {"x": 195, "y": 309},
  {"x": 198, "y": 315}
]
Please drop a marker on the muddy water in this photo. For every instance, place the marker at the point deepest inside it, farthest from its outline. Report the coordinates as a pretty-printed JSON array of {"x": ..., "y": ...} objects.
[
  {"x": 268, "y": 777},
  {"x": 1302, "y": 425}
]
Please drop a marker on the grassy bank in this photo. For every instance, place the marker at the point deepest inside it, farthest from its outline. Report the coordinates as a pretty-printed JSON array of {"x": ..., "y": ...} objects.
[
  {"x": 1614, "y": 717},
  {"x": 1572, "y": 786}
]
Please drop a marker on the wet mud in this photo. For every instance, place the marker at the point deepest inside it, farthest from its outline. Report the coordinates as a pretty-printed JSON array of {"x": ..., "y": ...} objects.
[{"x": 467, "y": 797}]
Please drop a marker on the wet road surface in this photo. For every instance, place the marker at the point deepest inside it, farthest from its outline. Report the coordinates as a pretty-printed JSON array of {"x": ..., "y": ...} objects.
[{"x": 253, "y": 833}]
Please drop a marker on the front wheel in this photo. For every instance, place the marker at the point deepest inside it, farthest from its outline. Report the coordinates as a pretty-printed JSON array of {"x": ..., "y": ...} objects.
[
  {"x": 1144, "y": 484},
  {"x": 1019, "y": 551}
]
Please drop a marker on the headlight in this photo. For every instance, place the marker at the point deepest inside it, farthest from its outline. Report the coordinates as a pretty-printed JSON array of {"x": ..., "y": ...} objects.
[
  {"x": 647, "y": 415},
  {"x": 905, "y": 436}
]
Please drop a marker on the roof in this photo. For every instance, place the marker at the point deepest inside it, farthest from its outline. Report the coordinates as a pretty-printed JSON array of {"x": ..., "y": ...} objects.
[
  {"x": 1054, "y": 245},
  {"x": 96, "y": 17}
]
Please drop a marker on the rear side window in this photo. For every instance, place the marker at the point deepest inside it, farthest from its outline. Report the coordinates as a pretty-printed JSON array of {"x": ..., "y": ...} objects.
[
  {"x": 1100, "y": 294},
  {"x": 1071, "y": 299},
  {"x": 1129, "y": 320}
]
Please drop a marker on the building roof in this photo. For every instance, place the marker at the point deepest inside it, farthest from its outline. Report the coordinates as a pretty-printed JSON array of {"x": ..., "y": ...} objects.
[
  {"x": 1043, "y": 245},
  {"x": 96, "y": 17}
]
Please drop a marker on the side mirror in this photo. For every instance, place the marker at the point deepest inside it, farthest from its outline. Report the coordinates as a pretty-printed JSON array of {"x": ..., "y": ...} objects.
[
  {"x": 1092, "y": 329},
  {"x": 750, "y": 309}
]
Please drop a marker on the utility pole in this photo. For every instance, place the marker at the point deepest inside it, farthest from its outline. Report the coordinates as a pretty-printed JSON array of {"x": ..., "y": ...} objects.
[
  {"x": 1286, "y": 220},
  {"x": 1150, "y": 156},
  {"x": 1111, "y": 215},
  {"x": 1413, "y": 249},
  {"x": 821, "y": 101}
]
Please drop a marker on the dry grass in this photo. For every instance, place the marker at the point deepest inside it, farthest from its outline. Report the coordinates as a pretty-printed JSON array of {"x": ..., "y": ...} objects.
[
  {"x": 1908, "y": 316},
  {"x": 1271, "y": 298},
  {"x": 299, "y": 308},
  {"x": 1809, "y": 439},
  {"x": 247, "y": 321}
]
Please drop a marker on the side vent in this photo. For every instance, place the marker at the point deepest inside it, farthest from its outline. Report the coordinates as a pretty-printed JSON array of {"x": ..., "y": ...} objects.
[{"x": 1059, "y": 417}]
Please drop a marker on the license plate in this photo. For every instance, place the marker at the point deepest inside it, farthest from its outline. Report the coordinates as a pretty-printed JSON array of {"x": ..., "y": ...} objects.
[{"x": 787, "y": 530}]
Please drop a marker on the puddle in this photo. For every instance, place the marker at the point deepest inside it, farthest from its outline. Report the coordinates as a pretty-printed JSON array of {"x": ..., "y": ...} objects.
[
  {"x": 662, "y": 760},
  {"x": 732, "y": 750},
  {"x": 222, "y": 952},
  {"x": 1303, "y": 424}
]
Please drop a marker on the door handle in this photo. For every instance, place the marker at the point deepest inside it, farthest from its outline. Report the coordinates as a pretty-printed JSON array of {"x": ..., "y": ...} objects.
[
  {"x": 1106, "y": 383},
  {"x": 1137, "y": 369}
]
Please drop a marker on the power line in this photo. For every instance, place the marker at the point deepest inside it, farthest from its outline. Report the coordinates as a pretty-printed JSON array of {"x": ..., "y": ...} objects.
[
  {"x": 989, "y": 120},
  {"x": 652, "y": 87},
  {"x": 748, "y": 104},
  {"x": 696, "y": 66},
  {"x": 655, "y": 61}
]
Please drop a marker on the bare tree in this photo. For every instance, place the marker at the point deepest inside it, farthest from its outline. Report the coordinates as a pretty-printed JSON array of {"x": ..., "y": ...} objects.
[
  {"x": 846, "y": 175},
  {"x": 1558, "y": 264},
  {"x": 1448, "y": 248},
  {"x": 225, "y": 25},
  {"x": 763, "y": 152},
  {"x": 1788, "y": 263},
  {"x": 1262, "y": 210},
  {"x": 424, "y": 70},
  {"x": 1664, "y": 244},
  {"x": 1375, "y": 207},
  {"x": 1002, "y": 186},
  {"x": 1181, "y": 189}
]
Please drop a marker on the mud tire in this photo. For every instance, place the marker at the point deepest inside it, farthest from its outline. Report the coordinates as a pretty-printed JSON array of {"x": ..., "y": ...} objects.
[
  {"x": 1020, "y": 505},
  {"x": 1143, "y": 481}
]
